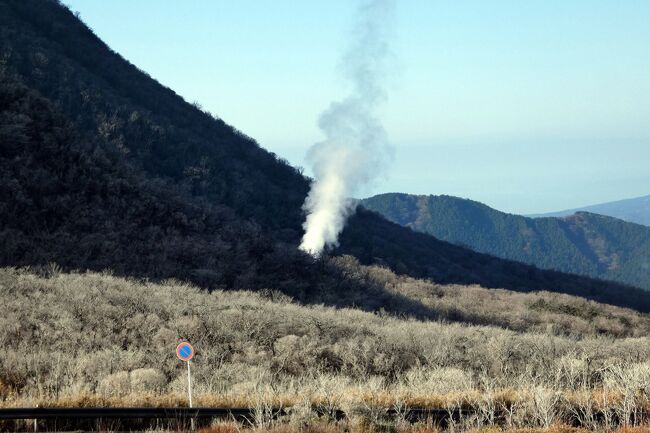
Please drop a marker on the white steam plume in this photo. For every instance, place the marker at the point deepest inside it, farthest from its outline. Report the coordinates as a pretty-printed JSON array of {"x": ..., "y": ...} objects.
[{"x": 355, "y": 149}]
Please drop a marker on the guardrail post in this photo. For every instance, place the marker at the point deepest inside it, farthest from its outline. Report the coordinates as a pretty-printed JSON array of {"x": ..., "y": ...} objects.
[{"x": 36, "y": 423}]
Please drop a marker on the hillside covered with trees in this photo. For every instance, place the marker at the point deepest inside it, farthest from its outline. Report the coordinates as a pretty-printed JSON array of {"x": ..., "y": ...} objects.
[
  {"x": 583, "y": 243},
  {"x": 106, "y": 169},
  {"x": 131, "y": 220}
]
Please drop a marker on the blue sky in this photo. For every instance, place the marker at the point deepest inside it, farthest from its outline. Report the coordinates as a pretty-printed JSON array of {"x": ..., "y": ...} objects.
[{"x": 528, "y": 106}]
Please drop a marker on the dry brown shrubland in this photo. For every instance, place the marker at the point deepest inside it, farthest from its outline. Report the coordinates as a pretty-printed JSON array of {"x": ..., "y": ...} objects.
[
  {"x": 536, "y": 311},
  {"x": 227, "y": 427},
  {"x": 98, "y": 340}
]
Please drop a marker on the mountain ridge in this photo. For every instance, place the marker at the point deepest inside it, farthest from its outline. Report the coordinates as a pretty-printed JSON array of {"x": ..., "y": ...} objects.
[
  {"x": 634, "y": 210},
  {"x": 207, "y": 203},
  {"x": 584, "y": 243}
]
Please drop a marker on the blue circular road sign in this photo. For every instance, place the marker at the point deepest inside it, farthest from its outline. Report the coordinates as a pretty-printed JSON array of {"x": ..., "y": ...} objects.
[{"x": 184, "y": 351}]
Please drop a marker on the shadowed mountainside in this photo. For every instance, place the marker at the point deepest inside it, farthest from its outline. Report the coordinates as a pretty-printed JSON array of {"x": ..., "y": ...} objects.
[{"x": 106, "y": 168}]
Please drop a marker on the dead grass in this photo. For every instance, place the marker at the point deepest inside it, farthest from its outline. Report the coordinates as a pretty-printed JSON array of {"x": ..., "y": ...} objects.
[
  {"x": 155, "y": 400},
  {"x": 222, "y": 427},
  {"x": 344, "y": 396},
  {"x": 229, "y": 427},
  {"x": 264, "y": 353},
  {"x": 556, "y": 428}
]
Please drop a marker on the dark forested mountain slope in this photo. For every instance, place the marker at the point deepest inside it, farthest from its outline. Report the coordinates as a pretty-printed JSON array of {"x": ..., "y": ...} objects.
[
  {"x": 583, "y": 243},
  {"x": 106, "y": 168},
  {"x": 155, "y": 129},
  {"x": 66, "y": 200}
]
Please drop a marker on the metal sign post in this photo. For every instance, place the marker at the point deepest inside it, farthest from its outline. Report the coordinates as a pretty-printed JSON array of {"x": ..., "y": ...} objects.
[
  {"x": 185, "y": 352},
  {"x": 189, "y": 382}
]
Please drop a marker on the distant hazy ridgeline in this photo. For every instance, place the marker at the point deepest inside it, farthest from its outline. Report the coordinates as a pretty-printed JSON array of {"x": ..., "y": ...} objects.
[{"x": 635, "y": 210}]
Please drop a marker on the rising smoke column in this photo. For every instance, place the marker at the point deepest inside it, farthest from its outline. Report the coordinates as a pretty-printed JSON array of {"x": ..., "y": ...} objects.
[{"x": 355, "y": 149}]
